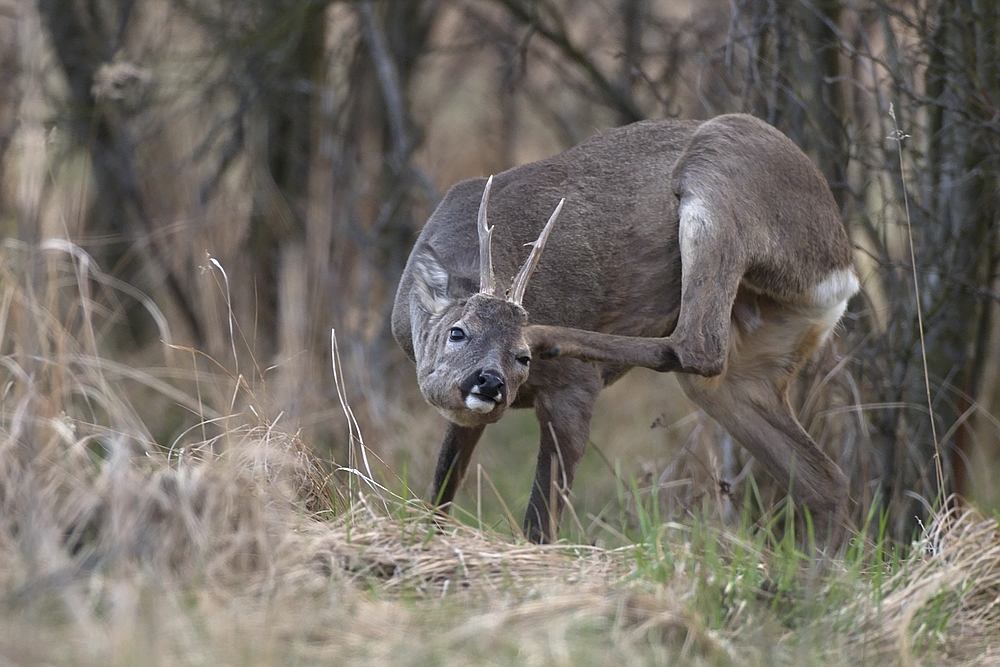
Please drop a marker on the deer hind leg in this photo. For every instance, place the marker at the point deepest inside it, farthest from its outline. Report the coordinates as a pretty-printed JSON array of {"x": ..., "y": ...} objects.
[
  {"x": 750, "y": 400},
  {"x": 712, "y": 266},
  {"x": 563, "y": 414}
]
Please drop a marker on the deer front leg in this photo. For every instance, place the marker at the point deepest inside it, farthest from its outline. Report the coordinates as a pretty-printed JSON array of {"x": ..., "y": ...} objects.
[
  {"x": 453, "y": 461},
  {"x": 563, "y": 414}
]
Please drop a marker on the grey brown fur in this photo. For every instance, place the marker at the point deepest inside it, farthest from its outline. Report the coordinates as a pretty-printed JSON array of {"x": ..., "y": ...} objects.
[{"x": 711, "y": 248}]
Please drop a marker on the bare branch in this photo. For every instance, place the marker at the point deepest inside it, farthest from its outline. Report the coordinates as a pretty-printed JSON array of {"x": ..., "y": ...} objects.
[
  {"x": 392, "y": 94},
  {"x": 388, "y": 78},
  {"x": 617, "y": 98}
]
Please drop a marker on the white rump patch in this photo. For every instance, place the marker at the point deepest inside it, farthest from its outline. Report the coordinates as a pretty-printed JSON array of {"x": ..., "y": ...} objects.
[
  {"x": 828, "y": 300},
  {"x": 835, "y": 289}
]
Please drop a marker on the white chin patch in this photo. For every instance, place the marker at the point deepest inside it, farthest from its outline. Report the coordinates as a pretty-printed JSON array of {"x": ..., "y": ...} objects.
[{"x": 477, "y": 404}]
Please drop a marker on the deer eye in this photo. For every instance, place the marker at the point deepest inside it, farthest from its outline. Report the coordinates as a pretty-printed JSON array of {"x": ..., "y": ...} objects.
[
  {"x": 524, "y": 360},
  {"x": 456, "y": 335}
]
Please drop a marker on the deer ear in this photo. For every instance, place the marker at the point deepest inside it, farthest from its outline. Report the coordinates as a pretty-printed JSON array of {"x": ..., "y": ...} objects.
[{"x": 430, "y": 281}]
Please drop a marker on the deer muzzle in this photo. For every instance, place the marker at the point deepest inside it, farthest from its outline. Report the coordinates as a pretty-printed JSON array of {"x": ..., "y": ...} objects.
[{"x": 484, "y": 390}]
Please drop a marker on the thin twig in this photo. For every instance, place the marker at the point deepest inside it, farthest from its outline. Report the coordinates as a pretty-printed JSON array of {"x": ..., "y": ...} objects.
[{"x": 898, "y": 138}]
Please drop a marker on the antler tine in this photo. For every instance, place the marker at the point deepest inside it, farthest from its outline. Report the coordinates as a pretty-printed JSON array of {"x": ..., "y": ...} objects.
[
  {"x": 487, "y": 285},
  {"x": 521, "y": 280}
]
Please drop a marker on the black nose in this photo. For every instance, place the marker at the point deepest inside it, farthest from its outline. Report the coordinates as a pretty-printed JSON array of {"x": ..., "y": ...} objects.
[{"x": 489, "y": 385}]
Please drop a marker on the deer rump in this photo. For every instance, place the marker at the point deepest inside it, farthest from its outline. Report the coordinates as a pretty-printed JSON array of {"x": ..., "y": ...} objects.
[{"x": 711, "y": 248}]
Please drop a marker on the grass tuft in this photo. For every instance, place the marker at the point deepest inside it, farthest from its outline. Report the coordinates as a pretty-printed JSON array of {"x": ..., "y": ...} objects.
[{"x": 239, "y": 546}]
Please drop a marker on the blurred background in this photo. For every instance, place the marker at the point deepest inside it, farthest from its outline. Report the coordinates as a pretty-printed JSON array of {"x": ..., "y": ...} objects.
[{"x": 245, "y": 176}]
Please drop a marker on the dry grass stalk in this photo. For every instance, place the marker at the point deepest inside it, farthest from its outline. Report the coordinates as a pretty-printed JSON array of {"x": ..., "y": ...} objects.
[
  {"x": 946, "y": 594},
  {"x": 244, "y": 549}
]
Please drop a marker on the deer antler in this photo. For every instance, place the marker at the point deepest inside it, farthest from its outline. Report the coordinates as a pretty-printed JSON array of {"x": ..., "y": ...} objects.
[
  {"x": 520, "y": 282},
  {"x": 487, "y": 285}
]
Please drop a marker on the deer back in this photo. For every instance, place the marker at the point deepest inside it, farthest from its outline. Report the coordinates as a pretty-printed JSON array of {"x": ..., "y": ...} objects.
[
  {"x": 790, "y": 236},
  {"x": 612, "y": 262}
]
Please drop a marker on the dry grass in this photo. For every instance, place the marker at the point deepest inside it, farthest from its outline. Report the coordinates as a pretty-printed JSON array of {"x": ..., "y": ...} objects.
[
  {"x": 219, "y": 560},
  {"x": 237, "y": 546},
  {"x": 947, "y": 594}
]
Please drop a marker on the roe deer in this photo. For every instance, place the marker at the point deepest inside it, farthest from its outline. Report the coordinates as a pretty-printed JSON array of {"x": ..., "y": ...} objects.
[{"x": 711, "y": 248}]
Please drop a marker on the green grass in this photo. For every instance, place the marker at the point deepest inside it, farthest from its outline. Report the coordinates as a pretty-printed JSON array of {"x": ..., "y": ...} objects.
[{"x": 233, "y": 544}]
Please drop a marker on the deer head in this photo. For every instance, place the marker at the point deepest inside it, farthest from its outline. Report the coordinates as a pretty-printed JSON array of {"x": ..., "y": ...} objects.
[{"x": 470, "y": 352}]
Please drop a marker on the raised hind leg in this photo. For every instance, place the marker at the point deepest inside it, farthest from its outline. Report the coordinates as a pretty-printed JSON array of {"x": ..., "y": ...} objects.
[{"x": 712, "y": 265}]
